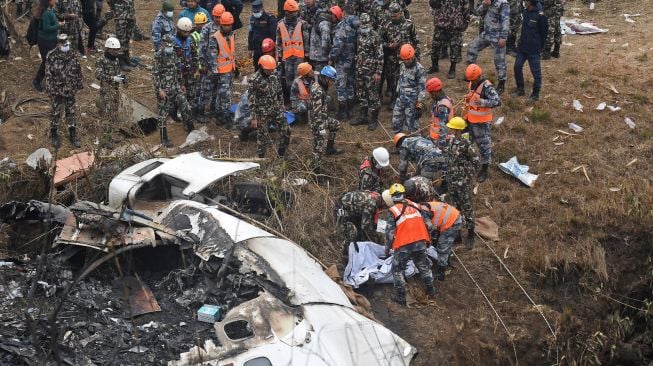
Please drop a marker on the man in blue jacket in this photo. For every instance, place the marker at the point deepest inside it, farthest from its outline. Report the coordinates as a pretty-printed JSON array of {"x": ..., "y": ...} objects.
[
  {"x": 533, "y": 35},
  {"x": 261, "y": 26}
]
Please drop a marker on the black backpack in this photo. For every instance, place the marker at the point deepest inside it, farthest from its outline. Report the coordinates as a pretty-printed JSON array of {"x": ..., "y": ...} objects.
[
  {"x": 32, "y": 35},
  {"x": 5, "y": 46}
]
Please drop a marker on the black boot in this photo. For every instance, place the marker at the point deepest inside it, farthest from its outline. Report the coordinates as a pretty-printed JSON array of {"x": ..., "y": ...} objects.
[
  {"x": 430, "y": 290},
  {"x": 374, "y": 120},
  {"x": 535, "y": 95},
  {"x": 556, "y": 51},
  {"x": 341, "y": 111},
  {"x": 459, "y": 238},
  {"x": 482, "y": 174},
  {"x": 501, "y": 87},
  {"x": 281, "y": 151},
  {"x": 440, "y": 272},
  {"x": 124, "y": 65},
  {"x": 128, "y": 60},
  {"x": 331, "y": 149},
  {"x": 399, "y": 297},
  {"x": 244, "y": 133},
  {"x": 443, "y": 188},
  {"x": 55, "y": 138},
  {"x": 435, "y": 67},
  {"x": 362, "y": 119},
  {"x": 546, "y": 55},
  {"x": 189, "y": 125},
  {"x": 470, "y": 238},
  {"x": 164, "y": 137},
  {"x": 72, "y": 137},
  {"x": 452, "y": 71},
  {"x": 444, "y": 54},
  {"x": 349, "y": 108}
]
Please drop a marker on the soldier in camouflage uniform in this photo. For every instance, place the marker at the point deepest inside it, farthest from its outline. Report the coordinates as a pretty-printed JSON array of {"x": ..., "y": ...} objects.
[
  {"x": 319, "y": 120},
  {"x": 419, "y": 189},
  {"x": 369, "y": 66},
  {"x": 163, "y": 24},
  {"x": 342, "y": 55},
  {"x": 70, "y": 13},
  {"x": 397, "y": 32},
  {"x": 266, "y": 103},
  {"x": 125, "y": 15},
  {"x": 300, "y": 98},
  {"x": 356, "y": 214},
  {"x": 63, "y": 79},
  {"x": 372, "y": 169},
  {"x": 169, "y": 88},
  {"x": 496, "y": 26},
  {"x": 553, "y": 10},
  {"x": 411, "y": 90},
  {"x": 187, "y": 55},
  {"x": 209, "y": 78},
  {"x": 462, "y": 163},
  {"x": 321, "y": 40},
  {"x": 421, "y": 151},
  {"x": 450, "y": 19},
  {"x": 108, "y": 73},
  {"x": 516, "y": 9}
]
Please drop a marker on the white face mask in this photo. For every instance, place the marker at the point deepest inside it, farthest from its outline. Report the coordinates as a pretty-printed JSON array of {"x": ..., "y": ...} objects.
[
  {"x": 65, "y": 47},
  {"x": 258, "y": 15},
  {"x": 169, "y": 14}
]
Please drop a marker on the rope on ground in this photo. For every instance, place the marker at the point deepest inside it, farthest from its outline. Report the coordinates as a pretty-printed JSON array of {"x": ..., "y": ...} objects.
[
  {"x": 514, "y": 349},
  {"x": 19, "y": 113}
]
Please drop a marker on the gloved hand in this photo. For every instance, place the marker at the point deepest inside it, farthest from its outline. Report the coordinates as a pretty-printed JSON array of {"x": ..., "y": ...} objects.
[{"x": 118, "y": 78}]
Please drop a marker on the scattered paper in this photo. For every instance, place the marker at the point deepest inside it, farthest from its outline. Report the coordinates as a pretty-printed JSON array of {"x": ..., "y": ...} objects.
[
  {"x": 577, "y": 106},
  {"x": 30, "y": 137},
  {"x": 630, "y": 123},
  {"x": 614, "y": 109},
  {"x": 512, "y": 167},
  {"x": 624, "y": 45},
  {"x": 614, "y": 189},
  {"x": 601, "y": 106},
  {"x": 576, "y": 128},
  {"x": 614, "y": 90},
  {"x": 499, "y": 121},
  {"x": 41, "y": 154},
  {"x": 567, "y": 44},
  {"x": 95, "y": 86}
]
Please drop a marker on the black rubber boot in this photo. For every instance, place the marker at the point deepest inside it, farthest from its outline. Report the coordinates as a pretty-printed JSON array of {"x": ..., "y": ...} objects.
[
  {"x": 124, "y": 65},
  {"x": 482, "y": 174},
  {"x": 374, "y": 120},
  {"x": 399, "y": 297},
  {"x": 556, "y": 51},
  {"x": 331, "y": 149},
  {"x": 459, "y": 238},
  {"x": 164, "y": 137},
  {"x": 535, "y": 95},
  {"x": 55, "y": 138},
  {"x": 72, "y": 137},
  {"x": 281, "y": 151},
  {"x": 546, "y": 55},
  {"x": 435, "y": 67},
  {"x": 349, "y": 108},
  {"x": 440, "y": 272},
  {"x": 341, "y": 111},
  {"x": 444, "y": 54},
  {"x": 501, "y": 87},
  {"x": 452, "y": 71},
  {"x": 244, "y": 133},
  {"x": 362, "y": 119},
  {"x": 189, "y": 125},
  {"x": 469, "y": 245},
  {"x": 430, "y": 290},
  {"x": 128, "y": 60}
]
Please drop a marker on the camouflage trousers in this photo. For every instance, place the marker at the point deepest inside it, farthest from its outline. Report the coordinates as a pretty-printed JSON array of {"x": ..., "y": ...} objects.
[
  {"x": 416, "y": 252},
  {"x": 368, "y": 91},
  {"x": 61, "y": 104},
  {"x": 478, "y": 44},
  {"x": 124, "y": 31},
  {"x": 481, "y": 136},
  {"x": 208, "y": 91},
  {"x": 403, "y": 113},
  {"x": 109, "y": 103},
  {"x": 192, "y": 85},
  {"x": 175, "y": 99},
  {"x": 345, "y": 81},
  {"x": 515, "y": 25},
  {"x": 216, "y": 90},
  {"x": 460, "y": 191},
  {"x": 447, "y": 39},
  {"x": 263, "y": 138},
  {"x": 445, "y": 241},
  {"x": 554, "y": 35},
  {"x": 391, "y": 73},
  {"x": 290, "y": 72},
  {"x": 429, "y": 170},
  {"x": 331, "y": 127}
]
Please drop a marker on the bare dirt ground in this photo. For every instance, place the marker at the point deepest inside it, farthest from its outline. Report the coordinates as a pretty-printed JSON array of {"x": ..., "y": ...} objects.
[{"x": 579, "y": 241}]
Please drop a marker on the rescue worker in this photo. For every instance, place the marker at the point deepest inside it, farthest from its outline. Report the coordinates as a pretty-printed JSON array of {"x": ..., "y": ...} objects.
[
  {"x": 369, "y": 66},
  {"x": 407, "y": 233},
  {"x": 553, "y": 10},
  {"x": 199, "y": 22},
  {"x": 357, "y": 215},
  {"x": 63, "y": 79},
  {"x": 533, "y": 36},
  {"x": 220, "y": 58},
  {"x": 170, "y": 91},
  {"x": 342, "y": 56},
  {"x": 419, "y": 189},
  {"x": 462, "y": 162},
  {"x": 319, "y": 120},
  {"x": 309, "y": 11},
  {"x": 445, "y": 227},
  {"x": 410, "y": 92},
  {"x": 268, "y": 47},
  {"x": 234, "y": 7},
  {"x": 421, "y": 151},
  {"x": 192, "y": 9},
  {"x": 516, "y": 9},
  {"x": 69, "y": 13},
  {"x": 481, "y": 98},
  {"x": 163, "y": 24},
  {"x": 266, "y": 103},
  {"x": 125, "y": 15},
  {"x": 371, "y": 170},
  {"x": 261, "y": 26},
  {"x": 300, "y": 98},
  {"x": 320, "y": 38},
  {"x": 450, "y": 20},
  {"x": 496, "y": 23},
  {"x": 291, "y": 38},
  {"x": 441, "y": 112},
  {"x": 209, "y": 74},
  {"x": 188, "y": 60},
  {"x": 108, "y": 73}
]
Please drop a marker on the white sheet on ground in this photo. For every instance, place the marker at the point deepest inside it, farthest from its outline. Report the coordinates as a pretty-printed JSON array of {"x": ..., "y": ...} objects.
[
  {"x": 575, "y": 26},
  {"x": 518, "y": 171},
  {"x": 368, "y": 264}
]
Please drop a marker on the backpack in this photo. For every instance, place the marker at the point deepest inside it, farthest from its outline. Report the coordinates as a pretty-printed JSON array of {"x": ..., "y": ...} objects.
[
  {"x": 32, "y": 35},
  {"x": 5, "y": 46}
]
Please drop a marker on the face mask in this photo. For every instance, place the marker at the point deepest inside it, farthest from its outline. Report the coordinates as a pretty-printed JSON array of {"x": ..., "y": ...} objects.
[
  {"x": 258, "y": 14},
  {"x": 169, "y": 14},
  {"x": 167, "y": 50},
  {"x": 65, "y": 47}
]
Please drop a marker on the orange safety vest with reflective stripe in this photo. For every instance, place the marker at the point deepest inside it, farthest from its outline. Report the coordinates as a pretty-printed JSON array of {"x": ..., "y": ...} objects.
[
  {"x": 302, "y": 92},
  {"x": 410, "y": 227},
  {"x": 291, "y": 45},
  {"x": 475, "y": 114},
  {"x": 444, "y": 215},
  {"x": 434, "y": 129},
  {"x": 226, "y": 59}
]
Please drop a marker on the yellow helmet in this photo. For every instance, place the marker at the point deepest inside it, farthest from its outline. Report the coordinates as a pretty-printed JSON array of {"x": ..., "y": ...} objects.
[
  {"x": 200, "y": 18},
  {"x": 397, "y": 189},
  {"x": 457, "y": 123}
]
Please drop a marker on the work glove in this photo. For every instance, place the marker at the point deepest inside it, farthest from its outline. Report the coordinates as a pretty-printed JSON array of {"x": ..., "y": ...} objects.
[{"x": 118, "y": 78}]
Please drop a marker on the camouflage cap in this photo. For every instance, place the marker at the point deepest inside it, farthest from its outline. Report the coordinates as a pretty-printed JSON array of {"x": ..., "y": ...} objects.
[
  {"x": 365, "y": 19},
  {"x": 168, "y": 40},
  {"x": 167, "y": 6},
  {"x": 394, "y": 8}
]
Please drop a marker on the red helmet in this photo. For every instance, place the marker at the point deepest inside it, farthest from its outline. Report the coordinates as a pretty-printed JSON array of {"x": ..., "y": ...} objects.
[
  {"x": 267, "y": 45},
  {"x": 433, "y": 85},
  {"x": 337, "y": 12}
]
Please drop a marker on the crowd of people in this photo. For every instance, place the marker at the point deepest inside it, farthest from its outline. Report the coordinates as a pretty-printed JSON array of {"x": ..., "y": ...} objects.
[{"x": 358, "y": 46}]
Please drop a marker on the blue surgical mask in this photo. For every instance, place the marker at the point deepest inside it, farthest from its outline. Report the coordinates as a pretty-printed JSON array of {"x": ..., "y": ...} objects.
[{"x": 169, "y": 14}]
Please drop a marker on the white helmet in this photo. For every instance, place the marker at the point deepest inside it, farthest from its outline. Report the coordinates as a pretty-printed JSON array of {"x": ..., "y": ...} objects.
[
  {"x": 387, "y": 198},
  {"x": 381, "y": 156},
  {"x": 185, "y": 24},
  {"x": 112, "y": 42}
]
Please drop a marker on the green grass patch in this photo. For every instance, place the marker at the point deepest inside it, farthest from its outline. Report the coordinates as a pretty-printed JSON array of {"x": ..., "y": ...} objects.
[{"x": 540, "y": 115}]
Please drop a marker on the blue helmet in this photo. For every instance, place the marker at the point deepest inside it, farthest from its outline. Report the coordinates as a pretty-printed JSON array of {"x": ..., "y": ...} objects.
[{"x": 329, "y": 72}]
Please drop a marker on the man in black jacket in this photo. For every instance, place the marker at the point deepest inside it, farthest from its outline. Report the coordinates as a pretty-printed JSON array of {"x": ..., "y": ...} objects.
[
  {"x": 261, "y": 26},
  {"x": 533, "y": 35}
]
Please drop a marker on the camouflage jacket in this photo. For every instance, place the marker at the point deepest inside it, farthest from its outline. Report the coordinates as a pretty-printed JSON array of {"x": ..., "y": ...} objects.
[
  {"x": 420, "y": 151},
  {"x": 205, "y": 37},
  {"x": 451, "y": 14},
  {"x": 187, "y": 56},
  {"x": 123, "y": 9},
  {"x": 321, "y": 38},
  {"x": 369, "y": 177},
  {"x": 63, "y": 73},
  {"x": 165, "y": 73},
  {"x": 399, "y": 34},
  {"x": 369, "y": 58},
  {"x": 363, "y": 205},
  {"x": 496, "y": 20},
  {"x": 265, "y": 95},
  {"x": 105, "y": 70},
  {"x": 161, "y": 26},
  {"x": 319, "y": 114},
  {"x": 553, "y": 8},
  {"x": 462, "y": 160},
  {"x": 343, "y": 50},
  {"x": 70, "y": 27},
  {"x": 424, "y": 190},
  {"x": 412, "y": 82}
]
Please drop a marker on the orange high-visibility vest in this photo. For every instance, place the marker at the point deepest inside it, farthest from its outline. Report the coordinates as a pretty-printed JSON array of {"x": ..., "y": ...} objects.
[
  {"x": 291, "y": 45},
  {"x": 410, "y": 225},
  {"x": 226, "y": 59},
  {"x": 302, "y": 93},
  {"x": 444, "y": 215},
  {"x": 475, "y": 114},
  {"x": 434, "y": 129}
]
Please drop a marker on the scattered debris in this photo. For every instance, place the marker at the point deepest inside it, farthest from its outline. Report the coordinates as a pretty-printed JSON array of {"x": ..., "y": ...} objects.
[
  {"x": 628, "y": 17},
  {"x": 612, "y": 88},
  {"x": 614, "y": 109},
  {"x": 141, "y": 299},
  {"x": 95, "y": 86},
  {"x": 601, "y": 106},
  {"x": 615, "y": 189},
  {"x": 576, "y": 128},
  {"x": 567, "y": 133},
  {"x": 208, "y": 313},
  {"x": 577, "y": 106},
  {"x": 512, "y": 167},
  {"x": 632, "y": 162},
  {"x": 39, "y": 156},
  {"x": 499, "y": 121},
  {"x": 584, "y": 171},
  {"x": 486, "y": 228},
  {"x": 197, "y": 136},
  {"x": 630, "y": 123},
  {"x": 72, "y": 168}
]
